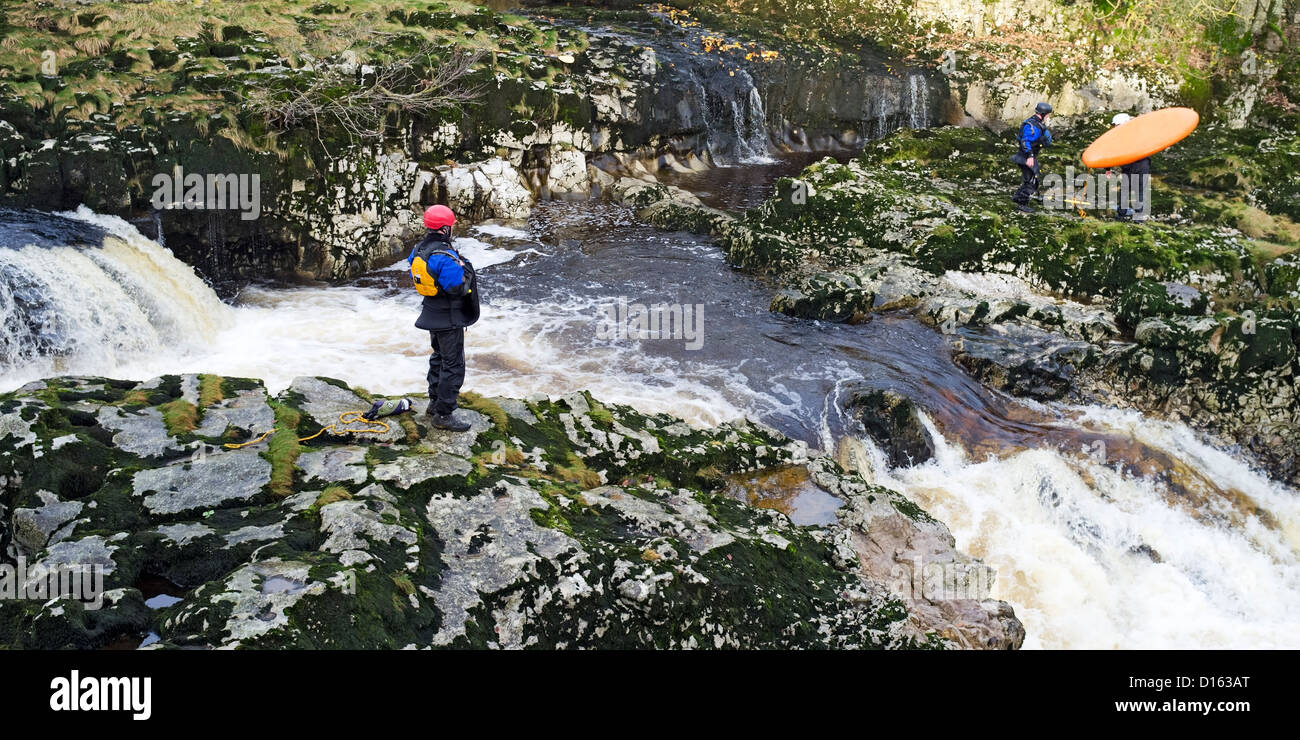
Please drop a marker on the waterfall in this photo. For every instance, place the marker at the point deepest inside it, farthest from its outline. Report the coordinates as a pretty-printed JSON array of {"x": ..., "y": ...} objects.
[
  {"x": 81, "y": 292},
  {"x": 1094, "y": 557},
  {"x": 734, "y": 117},
  {"x": 918, "y": 101},
  {"x": 753, "y": 126},
  {"x": 897, "y": 104},
  {"x": 882, "y": 118}
]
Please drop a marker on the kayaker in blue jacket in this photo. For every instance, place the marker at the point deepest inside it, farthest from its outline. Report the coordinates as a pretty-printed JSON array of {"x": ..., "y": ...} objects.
[{"x": 1034, "y": 135}]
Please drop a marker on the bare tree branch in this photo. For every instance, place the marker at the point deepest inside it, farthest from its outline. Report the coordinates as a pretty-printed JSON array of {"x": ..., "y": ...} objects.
[{"x": 359, "y": 99}]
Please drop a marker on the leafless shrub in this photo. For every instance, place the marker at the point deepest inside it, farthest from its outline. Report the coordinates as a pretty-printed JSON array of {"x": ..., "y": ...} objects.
[{"x": 358, "y": 99}]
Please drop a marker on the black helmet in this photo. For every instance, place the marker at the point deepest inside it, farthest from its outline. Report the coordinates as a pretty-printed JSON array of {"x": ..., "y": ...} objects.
[{"x": 1043, "y": 109}]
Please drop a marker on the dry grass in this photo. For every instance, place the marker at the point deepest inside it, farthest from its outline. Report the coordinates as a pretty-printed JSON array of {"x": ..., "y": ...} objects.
[
  {"x": 331, "y": 495},
  {"x": 210, "y": 391},
  {"x": 578, "y": 472},
  {"x": 283, "y": 451},
  {"x": 423, "y": 84},
  {"x": 179, "y": 416}
]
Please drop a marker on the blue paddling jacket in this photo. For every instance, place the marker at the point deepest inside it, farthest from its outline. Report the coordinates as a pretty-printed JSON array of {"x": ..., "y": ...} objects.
[{"x": 1034, "y": 136}]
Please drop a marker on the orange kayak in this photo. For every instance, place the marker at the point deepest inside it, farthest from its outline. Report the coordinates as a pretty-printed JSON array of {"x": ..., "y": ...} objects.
[{"x": 1141, "y": 137}]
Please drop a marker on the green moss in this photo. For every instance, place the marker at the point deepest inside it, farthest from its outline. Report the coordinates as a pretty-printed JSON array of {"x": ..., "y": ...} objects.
[
  {"x": 754, "y": 593},
  {"x": 403, "y": 583},
  {"x": 576, "y": 471},
  {"x": 600, "y": 415},
  {"x": 409, "y": 426},
  {"x": 552, "y": 517},
  {"x": 906, "y": 506},
  {"x": 1146, "y": 298}
]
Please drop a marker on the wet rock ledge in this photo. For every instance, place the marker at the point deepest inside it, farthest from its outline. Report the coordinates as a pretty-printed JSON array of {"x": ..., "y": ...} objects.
[{"x": 550, "y": 524}]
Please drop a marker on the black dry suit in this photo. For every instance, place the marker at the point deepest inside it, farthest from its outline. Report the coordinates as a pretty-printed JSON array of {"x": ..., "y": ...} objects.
[{"x": 445, "y": 317}]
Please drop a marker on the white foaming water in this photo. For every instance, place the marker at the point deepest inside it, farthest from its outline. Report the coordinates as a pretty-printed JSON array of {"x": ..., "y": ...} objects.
[
  {"x": 368, "y": 338},
  {"x": 502, "y": 231},
  {"x": 550, "y": 347},
  {"x": 142, "y": 313},
  {"x": 1069, "y": 538},
  {"x": 86, "y": 309}
]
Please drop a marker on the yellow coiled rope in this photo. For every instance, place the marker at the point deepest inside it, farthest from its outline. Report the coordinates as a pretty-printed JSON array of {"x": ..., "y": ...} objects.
[{"x": 347, "y": 417}]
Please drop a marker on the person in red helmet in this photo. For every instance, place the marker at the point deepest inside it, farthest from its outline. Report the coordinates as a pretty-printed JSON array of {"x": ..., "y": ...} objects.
[{"x": 447, "y": 282}]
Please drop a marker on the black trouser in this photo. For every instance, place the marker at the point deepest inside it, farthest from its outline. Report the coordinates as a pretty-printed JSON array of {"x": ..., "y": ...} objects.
[
  {"x": 1028, "y": 182},
  {"x": 446, "y": 368},
  {"x": 1132, "y": 192}
]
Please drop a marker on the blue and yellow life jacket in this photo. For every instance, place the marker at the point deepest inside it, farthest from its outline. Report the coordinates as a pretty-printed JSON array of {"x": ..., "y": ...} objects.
[{"x": 426, "y": 283}]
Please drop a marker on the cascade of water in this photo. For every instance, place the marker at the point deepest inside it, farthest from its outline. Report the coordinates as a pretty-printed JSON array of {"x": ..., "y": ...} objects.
[
  {"x": 1091, "y": 556},
  {"x": 735, "y": 118},
  {"x": 918, "y": 101},
  {"x": 882, "y": 118},
  {"x": 96, "y": 299}
]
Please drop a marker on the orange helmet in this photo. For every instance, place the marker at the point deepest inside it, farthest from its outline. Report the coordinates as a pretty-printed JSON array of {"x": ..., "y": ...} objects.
[{"x": 436, "y": 217}]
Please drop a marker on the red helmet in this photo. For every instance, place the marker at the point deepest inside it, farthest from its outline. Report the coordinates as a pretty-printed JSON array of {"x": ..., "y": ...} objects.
[{"x": 436, "y": 217}]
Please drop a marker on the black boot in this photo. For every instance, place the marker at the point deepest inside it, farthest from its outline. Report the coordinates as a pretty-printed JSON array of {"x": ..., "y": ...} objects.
[{"x": 448, "y": 422}]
